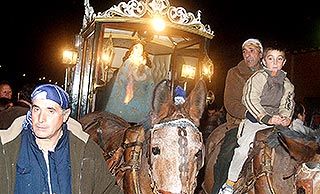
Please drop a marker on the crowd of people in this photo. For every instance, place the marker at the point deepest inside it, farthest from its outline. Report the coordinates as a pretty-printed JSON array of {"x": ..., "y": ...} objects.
[{"x": 50, "y": 153}]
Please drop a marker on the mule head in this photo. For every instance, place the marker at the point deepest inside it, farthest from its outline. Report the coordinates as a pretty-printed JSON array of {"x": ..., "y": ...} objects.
[
  {"x": 164, "y": 109},
  {"x": 176, "y": 148}
]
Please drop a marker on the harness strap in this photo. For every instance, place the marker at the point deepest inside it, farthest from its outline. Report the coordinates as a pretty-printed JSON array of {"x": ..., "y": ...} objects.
[
  {"x": 134, "y": 138},
  {"x": 266, "y": 167},
  {"x": 100, "y": 139},
  {"x": 96, "y": 124}
]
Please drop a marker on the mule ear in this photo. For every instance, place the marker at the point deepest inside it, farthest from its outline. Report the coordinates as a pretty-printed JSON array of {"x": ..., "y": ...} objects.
[
  {"x": 300, "y": 148},
  {"x": 162, "y": 101},
  {"x": 196, "y": 101}
]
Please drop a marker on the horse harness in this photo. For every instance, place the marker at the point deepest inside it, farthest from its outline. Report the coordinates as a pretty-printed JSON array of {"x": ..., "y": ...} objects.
[{"x": 96, "y": 123}]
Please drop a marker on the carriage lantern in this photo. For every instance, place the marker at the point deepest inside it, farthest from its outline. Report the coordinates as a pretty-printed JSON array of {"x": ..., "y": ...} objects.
[{"x": 69, "y": 58}]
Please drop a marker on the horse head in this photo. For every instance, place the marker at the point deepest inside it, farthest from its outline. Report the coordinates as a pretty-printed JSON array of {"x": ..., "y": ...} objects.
[{"x": 176, "y": 148}]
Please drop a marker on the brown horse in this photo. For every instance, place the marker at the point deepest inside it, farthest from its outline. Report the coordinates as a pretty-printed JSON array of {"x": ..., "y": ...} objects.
[
  {"x": 281, "y": 161},
  {"x": 163, "y": 155}
]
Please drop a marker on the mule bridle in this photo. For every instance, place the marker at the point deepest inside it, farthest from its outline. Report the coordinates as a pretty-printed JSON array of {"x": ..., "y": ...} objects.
[{"x": 183, "y": 151}]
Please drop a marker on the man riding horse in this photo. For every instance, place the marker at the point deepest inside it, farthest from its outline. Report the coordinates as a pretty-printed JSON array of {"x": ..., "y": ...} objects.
[{"x": 235, "y": 80}]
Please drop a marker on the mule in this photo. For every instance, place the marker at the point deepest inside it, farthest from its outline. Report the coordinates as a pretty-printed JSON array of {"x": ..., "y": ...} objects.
[
  {"x": 162, "y": 155},
  {"x": 281, "y": 161}
]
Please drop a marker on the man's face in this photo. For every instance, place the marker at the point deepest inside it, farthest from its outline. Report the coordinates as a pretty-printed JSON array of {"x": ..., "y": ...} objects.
[
  {"x": 5, "y": 91},
  {"x": 47, "y": 119},
  {"x": 251, "y": 55}
]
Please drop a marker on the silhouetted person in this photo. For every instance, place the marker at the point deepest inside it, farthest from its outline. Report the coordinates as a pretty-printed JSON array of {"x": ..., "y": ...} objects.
[
  {"x": 5, "y": 103},
  {"x": 19, "y": 108}
]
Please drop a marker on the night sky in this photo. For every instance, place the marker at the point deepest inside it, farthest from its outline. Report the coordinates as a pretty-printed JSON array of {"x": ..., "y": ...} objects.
[{"x": 35, "y": 33}]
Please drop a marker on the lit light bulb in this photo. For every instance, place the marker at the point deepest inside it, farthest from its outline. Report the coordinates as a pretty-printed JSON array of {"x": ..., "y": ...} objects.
[{"x": 158, "y": 24}]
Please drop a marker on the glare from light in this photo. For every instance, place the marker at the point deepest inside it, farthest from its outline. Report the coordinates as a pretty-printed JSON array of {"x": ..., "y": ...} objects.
[
  {"x": 69, "y": 57},
  {"x": 188, "y": 71},
  {"x": 106, "y": 58},
  {"x": 158, "y": 24},
  {"x": 207, "y": 71}
]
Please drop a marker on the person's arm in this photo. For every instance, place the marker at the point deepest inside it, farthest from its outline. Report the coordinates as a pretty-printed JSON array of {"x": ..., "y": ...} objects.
[
  {"x": 287, "y": 103},
  {"x": 233, "y": 95},
  {"x": 252, "y": 92}
]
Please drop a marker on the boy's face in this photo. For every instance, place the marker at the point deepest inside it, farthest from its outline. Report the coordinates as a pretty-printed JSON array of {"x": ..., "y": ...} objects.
[{"x": 274, "y": 60}]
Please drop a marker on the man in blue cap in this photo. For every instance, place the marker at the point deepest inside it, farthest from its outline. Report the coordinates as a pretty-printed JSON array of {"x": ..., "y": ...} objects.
[{"x": 51, "y": 153}]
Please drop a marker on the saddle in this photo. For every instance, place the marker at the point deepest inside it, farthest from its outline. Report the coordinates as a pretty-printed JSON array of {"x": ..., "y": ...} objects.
[{"x": 258, "y": 171}]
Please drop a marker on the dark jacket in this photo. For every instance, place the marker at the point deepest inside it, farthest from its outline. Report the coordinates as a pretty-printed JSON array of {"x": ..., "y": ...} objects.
[
  {"x": 9, "y": 115},
  {"x": 235, "y": 80},
  {"x": 89, "y": 172}
]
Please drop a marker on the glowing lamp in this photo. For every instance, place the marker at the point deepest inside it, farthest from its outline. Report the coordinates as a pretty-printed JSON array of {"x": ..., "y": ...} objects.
[
  {"x": 207, "y": 67},
  {"x": 158, "y": 24},
  {"x": 69, "y": 57},
  {"x": 188, "y": 71}
]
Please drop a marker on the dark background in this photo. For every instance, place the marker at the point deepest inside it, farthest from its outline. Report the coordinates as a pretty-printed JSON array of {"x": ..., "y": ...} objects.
[{"x": 34, "y": 33}]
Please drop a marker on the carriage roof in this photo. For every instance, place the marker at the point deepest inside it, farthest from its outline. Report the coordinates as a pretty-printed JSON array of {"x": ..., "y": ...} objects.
[
  {"x": 140, "y": 12},
  {"x": 129, "y": 19}
]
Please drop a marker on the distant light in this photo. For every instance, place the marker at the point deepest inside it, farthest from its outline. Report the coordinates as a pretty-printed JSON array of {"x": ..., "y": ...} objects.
[
  {"x": 0, "y": 66},
  {"x": 24, "y": 75},
  {"x": 49, "y": 81},
  {"x": 44, "y": 78},
  {"x": 40, "y": 78},
  {"x": 158, "y": 24}
]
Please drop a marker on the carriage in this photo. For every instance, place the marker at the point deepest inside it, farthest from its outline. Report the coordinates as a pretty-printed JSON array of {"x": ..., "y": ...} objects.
[
  {"x": 133, "y": 59},
  {"x": 174, "y": 40},
  {"x": 105, "y": 77}
]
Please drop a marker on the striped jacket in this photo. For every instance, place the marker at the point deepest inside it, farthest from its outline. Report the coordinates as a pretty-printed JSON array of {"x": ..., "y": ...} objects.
[{"x": 265, "y": 95}]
